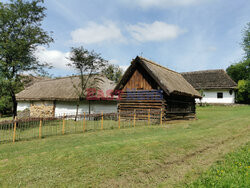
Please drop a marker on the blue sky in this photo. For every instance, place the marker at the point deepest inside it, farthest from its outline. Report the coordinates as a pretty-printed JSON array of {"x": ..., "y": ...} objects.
[{"x": 183, "y": 35}]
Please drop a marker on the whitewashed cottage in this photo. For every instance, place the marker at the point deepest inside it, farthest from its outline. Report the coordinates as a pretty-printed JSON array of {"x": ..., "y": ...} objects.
[
  {"x": 60, "y": 96},
  {"x": 216, "y": 85}
]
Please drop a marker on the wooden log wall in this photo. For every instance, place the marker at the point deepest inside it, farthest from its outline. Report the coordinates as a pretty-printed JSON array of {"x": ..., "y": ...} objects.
[
  {"x": 180, "y": 107},
  {"x": 141, "y": 102}
]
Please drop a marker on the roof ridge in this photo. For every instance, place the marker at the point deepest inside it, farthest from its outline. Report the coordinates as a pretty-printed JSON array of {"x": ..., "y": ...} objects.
[
  {"x": 59, "y": 78},
  {"x": 199, "y": 71},
  {"x": 157, "y": 64},
  {"x": 72, "y": 76}
]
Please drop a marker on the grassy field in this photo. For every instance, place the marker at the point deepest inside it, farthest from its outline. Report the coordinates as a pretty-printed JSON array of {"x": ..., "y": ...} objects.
[
  {"x": 232, "y": 171},
  {"x": 5, "y": 118},
  {"x": 172, "y": 155}
]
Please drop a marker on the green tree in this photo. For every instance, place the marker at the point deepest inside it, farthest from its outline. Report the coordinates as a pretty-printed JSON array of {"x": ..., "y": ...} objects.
[
  {"x": 246, "y": 41},
  {"x": 239, "y": 71},
  {"x": 5, "y": 99},
  {"x": 113, "y": 73},
  {"x": 243, "y": 94},
  {"x": 86, "y": 64},
  {"x": 20, "y": 34}
]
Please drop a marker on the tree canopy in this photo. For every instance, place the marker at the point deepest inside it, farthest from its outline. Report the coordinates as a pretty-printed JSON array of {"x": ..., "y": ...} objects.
[
  {"x": 86, "y": 64},
  {"x": 113, "y": 72},
  {"x": 20, "y": 34},
  {"x": 240, "y": 72},
  {"x": 246, "y": 41}
]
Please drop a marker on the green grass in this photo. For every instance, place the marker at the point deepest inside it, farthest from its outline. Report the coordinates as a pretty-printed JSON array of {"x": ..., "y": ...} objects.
[
  {"x": 233, "y": 171},
  {"x": 172, "y": 155},
  {"x": 5, "y": 118}
]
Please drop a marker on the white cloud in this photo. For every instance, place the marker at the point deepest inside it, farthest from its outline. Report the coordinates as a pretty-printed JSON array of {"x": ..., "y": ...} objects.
[
  {"x": 157, "y": 31},
  {"x": 116, "y": 62},
  {"x": 96, "y": 33},
  {"x": 54, "y": 57},
  {"x": 59, "y": 60},
  {"x": 162, "y": 3}
]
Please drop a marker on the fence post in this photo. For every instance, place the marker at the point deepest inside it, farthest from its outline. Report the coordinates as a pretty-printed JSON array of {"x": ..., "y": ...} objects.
[
  {"x": 148, "y": 116},
  {"x": 102, "y": 121},
  {"x": 63, "y": 124},
  {"x": 40, "y": 128},
  {"x": 161, "y": 117},
  {"x": 84, "y": 122},
  {"x": 14, "y": 133},
  {"x": 134, "y": 117},
  {"x": 119, "y": 120}
]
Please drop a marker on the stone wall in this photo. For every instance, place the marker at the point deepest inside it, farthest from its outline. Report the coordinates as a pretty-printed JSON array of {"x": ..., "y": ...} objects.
[
  {"x": 41, "y": 111},
  {"x": 23, "y": 114}
]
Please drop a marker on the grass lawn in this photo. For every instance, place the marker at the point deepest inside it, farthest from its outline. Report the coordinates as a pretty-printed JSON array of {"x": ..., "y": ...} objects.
[
  {"x": 233, "y": 171},
  {"x": 5, "y": 118},
  {"x": 172, "y": 155}
]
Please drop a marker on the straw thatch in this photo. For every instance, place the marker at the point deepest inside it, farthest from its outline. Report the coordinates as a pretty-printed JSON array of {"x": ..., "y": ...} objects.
[
  {"x": 29, "y": 80},
  {"x": 65, "y": 88},
  {"x": 170, "y": 81},
  {"x": 210, "y": 79}
]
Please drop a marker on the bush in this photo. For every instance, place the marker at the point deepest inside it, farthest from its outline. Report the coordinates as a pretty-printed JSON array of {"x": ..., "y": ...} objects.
[{"x": 243, "y": 94}]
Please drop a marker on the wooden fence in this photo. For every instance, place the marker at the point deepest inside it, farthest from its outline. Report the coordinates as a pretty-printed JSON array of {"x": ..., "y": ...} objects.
[{"x": 31, "y": 128}]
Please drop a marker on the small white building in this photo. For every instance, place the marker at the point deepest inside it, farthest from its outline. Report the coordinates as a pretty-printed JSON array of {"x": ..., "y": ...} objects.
[
  {"x": 215, "y": 86},
  {"x": 60, "y": 96}
]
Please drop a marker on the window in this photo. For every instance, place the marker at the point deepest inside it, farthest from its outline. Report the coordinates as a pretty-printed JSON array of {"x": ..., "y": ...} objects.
[{"x": 219, "y": 95}]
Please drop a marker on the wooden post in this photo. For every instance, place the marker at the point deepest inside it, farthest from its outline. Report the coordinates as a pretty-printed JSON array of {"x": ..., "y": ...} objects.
[
  {"x": 63, "y": 124},
  {"x": 40, "y": 128},
  {"x": 102, "y": 121},
  {"x": 119, "y": 120},
  {"x": 161, "y": 117},
  {"x": 14, "y": 133},
  {"x": 84, "y": 122},
  {"x": 148, "y": 116},
  {"x": 134, "y": 117}
]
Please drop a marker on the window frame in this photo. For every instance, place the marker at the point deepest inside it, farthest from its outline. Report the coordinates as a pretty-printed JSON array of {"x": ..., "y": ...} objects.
[{"x": 219, "y": 95}]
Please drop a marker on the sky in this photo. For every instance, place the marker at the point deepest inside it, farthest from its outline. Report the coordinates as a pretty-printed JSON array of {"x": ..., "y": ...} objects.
[{"x": 183, "y": 35}]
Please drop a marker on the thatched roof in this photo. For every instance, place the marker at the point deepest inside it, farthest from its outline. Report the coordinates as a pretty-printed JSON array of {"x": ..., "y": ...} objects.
[
  {"x": 170, "y": 81},
  {"x": 65, "y": 88},
  {"x": 210, "y": 79},
  {"x": 29, "y": 80}
]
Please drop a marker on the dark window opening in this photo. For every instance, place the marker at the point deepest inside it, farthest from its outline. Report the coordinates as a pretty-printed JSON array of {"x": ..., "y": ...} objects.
[
  {"x": 219, "y": 95},
  {"x": 231, "y": 91}
]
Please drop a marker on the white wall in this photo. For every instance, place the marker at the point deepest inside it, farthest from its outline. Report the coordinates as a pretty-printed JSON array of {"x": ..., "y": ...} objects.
[
  {"x": 103, "y": 106},
  {"x": 211, "y": 97},
  {"x": 70, "y": 107},
  {"x": 22, "y": 105},
  {"x": 95, "y": 107}
]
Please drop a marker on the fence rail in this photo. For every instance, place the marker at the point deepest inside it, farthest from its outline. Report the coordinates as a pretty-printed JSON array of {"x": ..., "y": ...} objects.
[{"x": 32, "y": 128}]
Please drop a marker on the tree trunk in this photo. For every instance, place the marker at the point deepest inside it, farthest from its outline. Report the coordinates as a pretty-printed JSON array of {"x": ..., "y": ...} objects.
[
  {"x": 89, "y": 110},
  {"x": 77, "y": 107},
  {"x": 14, "y": 104}
]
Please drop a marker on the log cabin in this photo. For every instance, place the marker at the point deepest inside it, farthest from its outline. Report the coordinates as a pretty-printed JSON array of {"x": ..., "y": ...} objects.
[{"x": 147, "y": 87}]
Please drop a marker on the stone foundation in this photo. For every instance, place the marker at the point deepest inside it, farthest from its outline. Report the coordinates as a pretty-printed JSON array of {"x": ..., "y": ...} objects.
[
  {"x": 41, "y": 111},
  {"x": 23, "y": 114}
]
